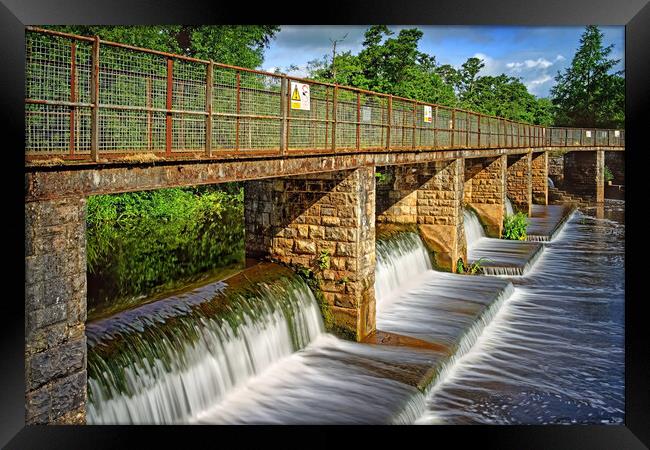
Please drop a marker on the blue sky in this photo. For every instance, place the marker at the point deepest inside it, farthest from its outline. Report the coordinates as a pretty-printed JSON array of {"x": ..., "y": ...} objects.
[{"x": 533, "y": 53}]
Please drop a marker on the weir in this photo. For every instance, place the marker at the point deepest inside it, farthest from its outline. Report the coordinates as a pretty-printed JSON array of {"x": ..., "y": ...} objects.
[
  {"x": 498, "y": 256},
  {"x": 166, "y": 361},
  {"x": 233, "y": 351}
]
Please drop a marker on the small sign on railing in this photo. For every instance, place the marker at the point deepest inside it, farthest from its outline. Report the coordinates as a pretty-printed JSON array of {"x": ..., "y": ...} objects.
[
  {"x": 428, "y": 114},
  {"x": 588, "y": 133},
  {"x": 617, "y": 133},
  {"x": 300, "y": 96}
]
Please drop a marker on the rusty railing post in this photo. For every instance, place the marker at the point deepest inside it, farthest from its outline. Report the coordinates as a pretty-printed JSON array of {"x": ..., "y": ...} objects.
[
  {"x": 168, "y": 104},
  {"x": 467, "y": 127},
  {"x": 335, "y": 105},
  {"x": 284, "y": 103},
  {"x": 208, "y": 109},
  {"x": 73, "y": 93},
  {"x": 94, "y": 94},
  {"x": 479, "y": 131}
]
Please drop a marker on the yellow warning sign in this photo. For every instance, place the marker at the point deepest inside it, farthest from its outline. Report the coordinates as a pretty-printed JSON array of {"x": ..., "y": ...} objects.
[{"x": 300, "y": 96}]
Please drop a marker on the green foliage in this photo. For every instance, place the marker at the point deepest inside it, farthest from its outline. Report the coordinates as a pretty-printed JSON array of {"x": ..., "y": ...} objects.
[
  {"x": 323, "y": 260},
  {"x": 241, "y": 45},
  {"x": 394, "y": 65},
  {"x": 471, "y": 269},
  {"x": 588, "y": 93},
  {"x": 381, "y": 177},
  {"x": 609, "y": 176},
  {"x": 138, "y": 242},
  {"x": 514, "y": 226}
]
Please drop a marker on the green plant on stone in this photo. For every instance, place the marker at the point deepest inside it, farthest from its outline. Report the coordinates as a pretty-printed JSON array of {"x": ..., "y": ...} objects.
[
  {"x": 608, "y": 175},
  {"x": 381, "y": 177},
  {"x": 460, "y": 267},
  {"x": 323, "y": 260},
  {"x": 471, "y": 269},
  {"x": 514, "y": 227}
]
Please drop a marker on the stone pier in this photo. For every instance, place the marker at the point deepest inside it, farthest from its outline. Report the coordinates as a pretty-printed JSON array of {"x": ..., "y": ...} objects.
[
  {"x": 55, "y": 311},
  {"x": 539, "y": 178},
  {"x": 584, "y": 174},
  {"x": 324, "y": 222},
  {"x": 519, "y": 182},
  {"x": 485, "y": 191},
  {"x": 431, "y": 196}
]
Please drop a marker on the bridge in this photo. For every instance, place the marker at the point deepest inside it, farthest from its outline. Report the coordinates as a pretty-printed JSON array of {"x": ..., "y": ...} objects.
[{"x": 103, "y": 117}]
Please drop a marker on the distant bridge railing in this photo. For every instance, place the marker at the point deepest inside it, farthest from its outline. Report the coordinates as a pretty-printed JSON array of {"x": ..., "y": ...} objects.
[{"x": 88, "y": 99}]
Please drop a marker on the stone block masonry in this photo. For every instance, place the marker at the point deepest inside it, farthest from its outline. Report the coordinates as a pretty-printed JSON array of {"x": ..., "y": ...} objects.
[
  {"x": 431, "y": 196},
  {"x": 519, "y": 182},
  {"x": 299, "y": 220},
  {"x": 55, "y": 311},
  {"x": 539, "y": 178},
  {"x": 584, "y": 174},
  {"x": 485, "y": 191}
]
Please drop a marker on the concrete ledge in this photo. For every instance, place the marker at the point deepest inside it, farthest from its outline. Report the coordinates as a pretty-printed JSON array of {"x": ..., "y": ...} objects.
[{"x": 547, "y": 221}]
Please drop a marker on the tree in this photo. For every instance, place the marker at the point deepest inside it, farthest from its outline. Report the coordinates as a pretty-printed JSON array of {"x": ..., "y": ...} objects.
[
  {"x": 241, "y": 45},
  {"x": 388, "y": 64},
  {"x": 588, "y": 93}
]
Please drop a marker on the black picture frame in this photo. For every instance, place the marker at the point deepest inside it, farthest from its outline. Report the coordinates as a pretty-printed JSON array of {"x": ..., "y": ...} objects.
[{"x": 16, "y": 14}]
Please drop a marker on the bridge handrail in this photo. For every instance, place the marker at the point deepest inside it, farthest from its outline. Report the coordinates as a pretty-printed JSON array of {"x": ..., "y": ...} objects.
[{"x": 82, "y": 104}]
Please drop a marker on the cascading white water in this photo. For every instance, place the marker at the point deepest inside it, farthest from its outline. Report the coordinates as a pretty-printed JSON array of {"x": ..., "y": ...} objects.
[
  {"x": 509, "y": 209},
  {"x": 399, "y": 260},
  {"x": 550, "y": 183},
  {"x": 148, "y": 373},
  {"x": 473, "y": 228}
]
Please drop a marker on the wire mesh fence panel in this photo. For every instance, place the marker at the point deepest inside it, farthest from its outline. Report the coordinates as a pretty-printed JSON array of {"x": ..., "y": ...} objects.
[
  {"x": 401, "y": 130},
  {"x": 57, "y": 69},
  {"x": 131, "y": 79},
  {"x": 496, "y": 133},
  {"x": 374, "y": 121},
  {"x": 473, "y": 130},
  {"x": 47, "y": 67},
  {"x": 425, "y": 116},
  {"x": 346, "y": 120},
  {"x": 131, "y": 131},
  {"x": 460, "y": 129},
  {"x": 224, "y": 108},
  {"x": 311, "y": 129},
  {"x": 260, "y": 111},
  {"x": 444, "y": 127},
  {"x": 188, "y": 133},
  {"x": 47, "y": 129}
]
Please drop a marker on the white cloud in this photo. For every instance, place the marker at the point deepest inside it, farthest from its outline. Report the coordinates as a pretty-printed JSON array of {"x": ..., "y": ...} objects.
[
  {"x": 492, "y": 66},
  {"x": 541, "y": 63}
]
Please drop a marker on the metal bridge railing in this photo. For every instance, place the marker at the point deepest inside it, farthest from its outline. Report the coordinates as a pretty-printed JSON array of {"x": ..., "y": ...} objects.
[{"x": 87, "y": 98}]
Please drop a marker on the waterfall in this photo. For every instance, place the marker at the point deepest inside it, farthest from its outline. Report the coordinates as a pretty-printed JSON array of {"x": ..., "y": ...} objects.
[
  {"x": 167, "y": 361},
  {"x": 509, "y": 209},
  {"x": 473, "y": 228},
  {"x": 399, "y": 259},
  {"x": 550, "y": 183}
]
